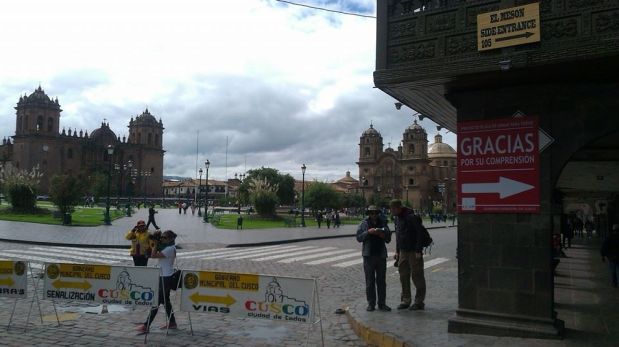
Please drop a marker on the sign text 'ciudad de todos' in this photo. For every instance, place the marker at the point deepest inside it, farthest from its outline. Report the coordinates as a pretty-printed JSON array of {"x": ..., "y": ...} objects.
[
  {"x": 106, "y": 284},
  {"x": 273, "y": 298}
]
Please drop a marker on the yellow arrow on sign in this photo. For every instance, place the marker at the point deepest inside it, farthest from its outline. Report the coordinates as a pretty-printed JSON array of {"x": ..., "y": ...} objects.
[
  {"x": 226, "y": 300},
  {"x": 7, "y": 282},
  {"x": 84, "y": 285}
]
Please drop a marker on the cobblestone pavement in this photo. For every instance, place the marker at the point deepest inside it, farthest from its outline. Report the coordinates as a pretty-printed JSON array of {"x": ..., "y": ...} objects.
[
  {"x": 583, "y": 300},
  {"x": 338, "y": 287}
]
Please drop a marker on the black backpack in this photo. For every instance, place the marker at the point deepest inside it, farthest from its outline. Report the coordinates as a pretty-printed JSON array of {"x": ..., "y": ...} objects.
[{"x": 426, "y": 241}]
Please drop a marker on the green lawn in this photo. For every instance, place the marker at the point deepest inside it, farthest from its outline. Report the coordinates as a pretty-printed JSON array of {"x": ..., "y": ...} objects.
[
  {"x": 81, "y": 217},
  {"x": 229, "y": 221}
]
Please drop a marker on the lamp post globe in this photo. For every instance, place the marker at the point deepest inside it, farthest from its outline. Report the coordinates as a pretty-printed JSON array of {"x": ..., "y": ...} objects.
[
  {"x": 207, "y": 164},
  {"x": 199, "y": 193},
  {"x": 106, "y": 218},
  {"x": 303, "y": 168}
]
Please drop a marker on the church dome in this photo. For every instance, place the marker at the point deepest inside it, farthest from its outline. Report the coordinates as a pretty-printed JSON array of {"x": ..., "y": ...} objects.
[
  {"x": 146, "y": 118},
  {"x": 371, "y": 131},
  {"x": 38, "y": 98},
  {"x": 104, "y": 135},
  {"x": 347, "y": 179},
  {"x": 415, "y": 127},
  {"x": 439, "y": 149}
]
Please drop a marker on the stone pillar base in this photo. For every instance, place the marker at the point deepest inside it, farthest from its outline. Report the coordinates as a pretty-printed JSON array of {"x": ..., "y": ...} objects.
[{"x": 496, "y": 324}]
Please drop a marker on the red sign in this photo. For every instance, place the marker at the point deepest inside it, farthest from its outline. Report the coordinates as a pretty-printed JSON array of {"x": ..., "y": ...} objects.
[{"x": 498, "y": 166}]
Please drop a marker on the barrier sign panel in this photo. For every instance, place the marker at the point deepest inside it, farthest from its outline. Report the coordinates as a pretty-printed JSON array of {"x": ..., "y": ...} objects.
[
  {"x": 13, "y": 279},
  {"x": 508, "y": 27},
  {"x": 498, "y": 166},
  {"x": 248, "y": 296},
  {"x": 118, "y": 285}
]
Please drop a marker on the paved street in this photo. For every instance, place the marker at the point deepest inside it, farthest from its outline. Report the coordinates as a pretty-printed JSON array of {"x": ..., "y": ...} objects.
[{"x": 336, "y": 264}]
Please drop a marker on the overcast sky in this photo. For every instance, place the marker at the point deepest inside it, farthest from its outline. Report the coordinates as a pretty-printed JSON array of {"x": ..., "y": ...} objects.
[{"x": 286, "y": 85}]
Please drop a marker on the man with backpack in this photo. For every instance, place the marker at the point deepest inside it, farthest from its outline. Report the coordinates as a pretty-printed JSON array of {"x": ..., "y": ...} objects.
[{"x": 411, "y": 238}]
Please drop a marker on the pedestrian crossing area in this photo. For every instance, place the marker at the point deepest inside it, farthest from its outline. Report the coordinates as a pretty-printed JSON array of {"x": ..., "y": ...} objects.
[{"x": 284, "y": 254}]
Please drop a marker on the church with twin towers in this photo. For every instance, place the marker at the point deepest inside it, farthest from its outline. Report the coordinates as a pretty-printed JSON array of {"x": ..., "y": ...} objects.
[
  {"x": 422, "y": 174},
  {"x": 40, "y": 141}
]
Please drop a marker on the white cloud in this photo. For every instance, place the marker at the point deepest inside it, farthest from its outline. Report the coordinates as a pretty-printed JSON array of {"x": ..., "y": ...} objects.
[{"x": 286, "y": 85}]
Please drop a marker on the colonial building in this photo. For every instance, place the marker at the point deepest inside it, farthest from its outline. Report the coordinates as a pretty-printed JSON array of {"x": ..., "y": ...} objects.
[
  {"x": 136, "y": 162},
  {"x": 420, "y": 174}
]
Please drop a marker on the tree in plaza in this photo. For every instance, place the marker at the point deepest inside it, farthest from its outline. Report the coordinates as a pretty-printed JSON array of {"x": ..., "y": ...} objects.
[
  {"x": 283, "y": 182},
  {"x": 355, "y": 200},
  {"x": 97, "y": 186},
  {"x": 20, "y": 187},
  {"x": 263, "y": 197},
  {"x": 380, "y": 201},
  {"x": 320, "y": 196},
  {"x": 66, "y": 191}
]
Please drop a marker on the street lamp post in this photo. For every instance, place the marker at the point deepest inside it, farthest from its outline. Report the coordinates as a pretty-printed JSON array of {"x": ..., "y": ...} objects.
[
  {"x": 206, "y": 164},
  {"x": 1, "y": 174},
  {"x": 238, "y": 193},
  {"x": 106, "y": 218},
  {"x": 199, "y": 202},
  {"x": 363, "y": 189},
  {"x": 407, "y": 193},
  {"x": 130, "y": 185},
  {"x": 145, "y": 176},
  {"x": 303, "y": 168}
]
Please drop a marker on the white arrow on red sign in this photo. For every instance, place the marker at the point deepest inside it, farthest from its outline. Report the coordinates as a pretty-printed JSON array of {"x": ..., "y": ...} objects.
[{"x": 505, "y": 187}]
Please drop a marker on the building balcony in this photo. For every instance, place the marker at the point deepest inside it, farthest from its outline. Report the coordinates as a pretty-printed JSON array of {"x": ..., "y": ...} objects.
[{"x": 428, "y": 49}]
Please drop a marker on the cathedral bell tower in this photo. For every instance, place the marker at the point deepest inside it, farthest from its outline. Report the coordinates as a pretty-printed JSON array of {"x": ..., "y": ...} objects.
[
  {"x": 146, "y": 130},
  {"x": 370, "y": 145},
  {"x": 415, "y": 142},
  {"x": 37, "y": 114}
]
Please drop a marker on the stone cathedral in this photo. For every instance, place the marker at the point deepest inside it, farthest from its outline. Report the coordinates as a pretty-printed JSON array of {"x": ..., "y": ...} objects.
[
  {"x": 136, "y": 162},
  {"x": 422, "y": 174}
]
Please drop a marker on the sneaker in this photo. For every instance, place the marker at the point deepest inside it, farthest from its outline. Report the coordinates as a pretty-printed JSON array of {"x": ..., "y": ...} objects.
[
  {"x": 384, "y": 308},
  {"x": 370, "y": 308},
  {"x": 141, "y": 328},
  {"x": 168, "y": 326},
  {"x": 417, "y": 307},
  {"x": 403, "y": 306}
]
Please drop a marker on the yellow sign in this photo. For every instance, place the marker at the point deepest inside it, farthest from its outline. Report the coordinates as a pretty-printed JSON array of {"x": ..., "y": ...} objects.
[
  {"x": 87, "y": 271},
  {"x": 225, "y": 300},
  {"x": 13, "y": 275},
  {"x": 224, "y": 280},
  {"x": 84, "y": 285},
  {"x": 7, "y": 282},
  {"x": 508, "y": 27}
]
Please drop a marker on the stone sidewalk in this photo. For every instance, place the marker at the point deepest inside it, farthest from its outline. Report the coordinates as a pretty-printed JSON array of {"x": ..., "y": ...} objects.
[{"x": 584, "y": 300}]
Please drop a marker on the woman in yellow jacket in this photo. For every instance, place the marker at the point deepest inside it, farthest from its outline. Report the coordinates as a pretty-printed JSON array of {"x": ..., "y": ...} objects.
[{"x": 140, "y": 245}]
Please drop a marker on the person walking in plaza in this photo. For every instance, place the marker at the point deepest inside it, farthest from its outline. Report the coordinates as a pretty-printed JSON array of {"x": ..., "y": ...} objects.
[
  {"x": 374, "y": 233},
  {"x": 589, "y": 227},
  {"x": 151, "y": 217},
  {"x": 610, "y": 252},
  {"x": 567, "y": 231},
  {"x": 408, "y": 230},
  {"x": 140, "y": 246},
  {"x": 165, "y": 251}
]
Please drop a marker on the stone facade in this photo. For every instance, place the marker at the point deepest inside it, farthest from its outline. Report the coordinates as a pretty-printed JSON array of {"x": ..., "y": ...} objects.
[
  {"x": 415, "y": 172},
  {"x": 136, "y": 162}
]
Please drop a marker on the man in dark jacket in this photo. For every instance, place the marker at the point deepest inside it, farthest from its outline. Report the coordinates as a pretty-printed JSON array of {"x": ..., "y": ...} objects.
[
  {"x": 374, "y": 233},
  {"x": 408, "y": 229},
  {"x": 610, "y": 252},
  {"x": 151, "y": 217}
]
